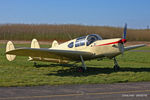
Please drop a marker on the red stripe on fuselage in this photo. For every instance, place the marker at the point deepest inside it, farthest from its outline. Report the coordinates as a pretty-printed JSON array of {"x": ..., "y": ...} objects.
[{"x": 120, "y": 41}]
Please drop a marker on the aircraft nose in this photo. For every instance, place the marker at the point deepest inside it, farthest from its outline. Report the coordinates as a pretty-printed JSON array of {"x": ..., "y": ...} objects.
[
  {"x": 123, "y": 41},
  {"x": 121, "y": 45}
]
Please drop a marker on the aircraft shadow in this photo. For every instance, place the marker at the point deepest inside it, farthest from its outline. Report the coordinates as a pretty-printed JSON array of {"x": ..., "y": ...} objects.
[
  {"x": 55, "y": 65},
  {"x": 95, "y": 71}
]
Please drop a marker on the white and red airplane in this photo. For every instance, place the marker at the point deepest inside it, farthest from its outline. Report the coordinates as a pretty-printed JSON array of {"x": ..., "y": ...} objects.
[{"x": 80, "y": 49}]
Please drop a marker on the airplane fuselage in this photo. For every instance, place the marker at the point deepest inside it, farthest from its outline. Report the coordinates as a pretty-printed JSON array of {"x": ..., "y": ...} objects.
[{"x": 100, "y": 48}]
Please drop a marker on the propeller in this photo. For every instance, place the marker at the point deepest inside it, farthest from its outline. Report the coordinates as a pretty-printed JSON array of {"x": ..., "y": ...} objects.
[
  {"x": 123, "y": 40},
  {"x": 121, "y": 47},
  {"x": 125, "y": 32}
]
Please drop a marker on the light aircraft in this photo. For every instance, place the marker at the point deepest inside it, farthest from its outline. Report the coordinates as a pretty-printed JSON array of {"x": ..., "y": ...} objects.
[{"x": 79, "y": 49}]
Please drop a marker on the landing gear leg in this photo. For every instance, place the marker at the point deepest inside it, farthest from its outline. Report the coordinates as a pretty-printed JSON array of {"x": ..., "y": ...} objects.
[
  {"x": 116, "y": 66},
  {"x": 83, "y": 68},
  {"x": 35, "y": 64}
]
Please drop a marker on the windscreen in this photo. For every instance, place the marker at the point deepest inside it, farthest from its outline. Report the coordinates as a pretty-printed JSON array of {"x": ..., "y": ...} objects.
[{"x": 80, "y": 41}]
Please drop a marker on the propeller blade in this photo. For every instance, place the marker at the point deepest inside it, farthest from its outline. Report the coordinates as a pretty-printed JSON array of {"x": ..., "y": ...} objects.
[
  {"x": 125, "y": 31},
  {"x": 121, "y": 48}
]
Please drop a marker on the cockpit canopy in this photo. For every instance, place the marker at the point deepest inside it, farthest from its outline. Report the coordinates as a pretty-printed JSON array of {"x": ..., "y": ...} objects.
[
  {"x": 80, "y": 41},
  {"x": 92, "y": 38},
  {"x": 85, "y": 40}
]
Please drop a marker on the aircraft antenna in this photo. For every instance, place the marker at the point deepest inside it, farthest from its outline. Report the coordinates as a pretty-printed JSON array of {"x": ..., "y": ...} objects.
[
  {"x": 67, "y": 33},
  {"x": 69, "y": 36}
]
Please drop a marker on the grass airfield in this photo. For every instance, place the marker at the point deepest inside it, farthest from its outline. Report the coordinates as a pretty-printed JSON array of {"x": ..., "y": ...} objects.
[{"x": 135, "y": 67}]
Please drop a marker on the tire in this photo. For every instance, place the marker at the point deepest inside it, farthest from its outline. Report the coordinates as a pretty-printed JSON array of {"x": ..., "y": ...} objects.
[{"x": 80, "y": 69}]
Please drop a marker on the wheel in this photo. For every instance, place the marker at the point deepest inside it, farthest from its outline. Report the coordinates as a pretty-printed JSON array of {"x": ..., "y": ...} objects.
[
  {"x": 60, "y": 71},
  {"x": 80, "y": 69},
  {"x": 116, "y": 68},
  {"x": 35, "y": 64}
]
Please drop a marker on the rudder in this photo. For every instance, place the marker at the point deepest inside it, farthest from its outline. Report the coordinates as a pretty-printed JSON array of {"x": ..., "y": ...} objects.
[
  {"x": 35, "y": 44},
  {"x": 54, "y": 44}
]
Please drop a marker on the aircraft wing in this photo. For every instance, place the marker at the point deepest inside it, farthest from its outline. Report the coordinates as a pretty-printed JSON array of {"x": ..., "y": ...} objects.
[
  {"x": 49, "y": 53},
  {"x": 133, "y": 47}
]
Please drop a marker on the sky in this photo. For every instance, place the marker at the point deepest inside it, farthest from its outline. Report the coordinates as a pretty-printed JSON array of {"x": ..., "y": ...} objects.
[{"x": 136, "y": 13}]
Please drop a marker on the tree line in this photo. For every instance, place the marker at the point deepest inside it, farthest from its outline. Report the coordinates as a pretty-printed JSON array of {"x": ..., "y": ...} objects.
[{"x": 64, "y": 32}]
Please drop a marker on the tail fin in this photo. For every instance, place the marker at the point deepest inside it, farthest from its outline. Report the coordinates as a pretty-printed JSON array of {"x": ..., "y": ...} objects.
[
  {"x": 54, "y": 44},
  {"x": 9, "y": 47},
  {"x": 35, "y": 44}
]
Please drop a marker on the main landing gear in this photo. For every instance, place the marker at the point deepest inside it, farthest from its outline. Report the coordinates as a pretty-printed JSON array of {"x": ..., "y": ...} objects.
[
  {"x": 116, "y": 66},
  {"x": 83, "y": 68},
  {"x": 35, "y": 64}
]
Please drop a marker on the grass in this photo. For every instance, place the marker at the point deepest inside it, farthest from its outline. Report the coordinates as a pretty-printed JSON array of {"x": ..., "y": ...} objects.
[{"x": 135, "y": 67}]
